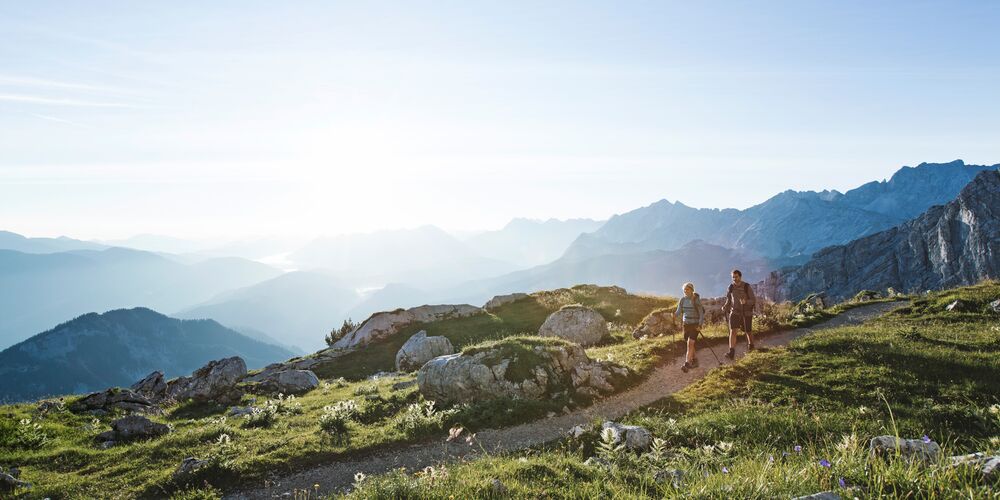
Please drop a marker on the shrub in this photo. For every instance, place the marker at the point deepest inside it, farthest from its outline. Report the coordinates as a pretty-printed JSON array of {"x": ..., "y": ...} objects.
[
  {"x": 287, "y": 405},
  {"x": 422, "y": 419},
  {"x": 263, "y": 416},
  {"x": 339, "y": 333},
  {"x": 365, "y": 390},
  {"x": 376, "y": 408},
  {"x": 333, "y": 421}
]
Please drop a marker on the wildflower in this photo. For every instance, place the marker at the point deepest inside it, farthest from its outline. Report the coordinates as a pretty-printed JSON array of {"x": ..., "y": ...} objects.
[
  {"x": 825, "y": 463},
  {"x": 843, "y": 484},
  {"x": 725, "y": 470},
  {"x": 770, "y": 459},
  {"x": 455, "y": 432},
  {"x": 725, "y": 446},
  {"x": 359, "y": 478},
  {"x": 926, "y": 439},
  {"x": 995, "y": 409},
  {"x": 798, "y": 449}
]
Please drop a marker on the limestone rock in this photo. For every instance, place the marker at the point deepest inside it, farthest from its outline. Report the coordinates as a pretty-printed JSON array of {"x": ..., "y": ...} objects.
[
  {"x": 286, "y": 381},
  {"x": 49, "y": 406},
  {"x": 959, "y": 306},
  {"x": 420, "y": 349},
  {"x": 907, "y": 448},
  {"x": 949, "y": 245},
  {"x": 216, "y": 381},
  {"x": 497, "y": 487},
  {"x": 656, "y": 324},
  {"x": 152, "y": 386},
  {"x": 385, "y": 324},
  {"x": 995, "y": 306},
  {"x": 114, "y": 399},
  {"x": 675, "y": 476},
  {"x": 823, "y": 495},
  {"x": 189, "y": 466},
  {"x": 578, "y": 324},
  {"x": 633, "y": 436},
  {"x": 577, "y": 432},
  {"x": 988, "y": 465},
  {"x": 501, "y": 300},
  {"x": 131, "y": 428},
  {"x": 498, "y": 372},
  {"x": 10, "y": 481},
  {"x": 242, "y": 411}
]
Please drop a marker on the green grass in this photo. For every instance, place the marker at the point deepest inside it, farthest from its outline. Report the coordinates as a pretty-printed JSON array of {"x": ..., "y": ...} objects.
[
  {"x": 919, "y": 371},
  {"x": 524, "y": 316}
]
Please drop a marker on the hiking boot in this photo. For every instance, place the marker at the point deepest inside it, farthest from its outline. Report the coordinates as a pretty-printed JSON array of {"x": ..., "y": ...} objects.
[
  {"x": 731, "y": 354},
  {"x": 750, "y": 347},
  {"x": 687, "y": 366}
]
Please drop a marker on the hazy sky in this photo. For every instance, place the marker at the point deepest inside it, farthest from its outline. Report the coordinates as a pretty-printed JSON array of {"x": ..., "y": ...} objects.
[{"x": 263, "y": 117}]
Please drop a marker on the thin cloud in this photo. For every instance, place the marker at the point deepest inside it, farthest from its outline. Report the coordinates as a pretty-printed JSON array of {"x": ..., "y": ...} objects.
[
  {"x": 51, "y": 101},
  {"x": 18, "y": 81},
  {"x": 56, "y": 119}
]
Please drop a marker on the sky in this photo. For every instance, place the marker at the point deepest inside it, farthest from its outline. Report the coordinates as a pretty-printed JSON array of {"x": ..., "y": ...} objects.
[{"x": 249, "y": 118}]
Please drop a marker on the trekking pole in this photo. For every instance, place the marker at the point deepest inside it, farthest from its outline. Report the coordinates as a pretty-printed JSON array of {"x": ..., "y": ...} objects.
[{"x": 717, "y": 360}]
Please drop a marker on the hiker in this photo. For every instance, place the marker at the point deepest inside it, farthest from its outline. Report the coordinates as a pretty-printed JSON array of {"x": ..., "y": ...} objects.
[
  {"x": 692, "y": 316},
  {"x": 739, "y": 308}
]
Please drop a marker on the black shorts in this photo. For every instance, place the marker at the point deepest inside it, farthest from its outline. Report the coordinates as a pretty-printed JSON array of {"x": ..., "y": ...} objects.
[
  {"x": 691, "y": 331},
  {"x": 741, "y": 322}
]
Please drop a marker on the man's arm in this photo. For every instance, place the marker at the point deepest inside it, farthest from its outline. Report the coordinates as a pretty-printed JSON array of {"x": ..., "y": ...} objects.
[{"x": 728, "y": 306}]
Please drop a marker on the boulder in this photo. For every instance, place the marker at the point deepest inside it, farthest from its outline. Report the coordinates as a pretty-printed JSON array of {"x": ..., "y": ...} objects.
[
  {"x": 634, "y": 437},
  {"x": 501, "y": 300},
  {"x": 132, "y": 427},
  {"x": 216, "y": 381},
  {"x": 914, "y": 449},
  {"x": 189, "y": 466},
  {"x": 152, "y": 386},
  {"x": 518, "y": 368},
  {"x": 420, "y": 349},
  {"x": 995, "y": 306},
  {"x": 823, "y": 495},
  {"x": 49, "y": 406},
  {"x": 10, "y": 481},
  {"x": 657, "y": 323},
  {"x": 575, "y": 323},
  {"x": 386, "y": 324},
  {"x": 287, "y": 382},
  {"x": 988, "y": 465},
  {"x": 959, "y": 306},
  {"x": 114, "y": 399}
]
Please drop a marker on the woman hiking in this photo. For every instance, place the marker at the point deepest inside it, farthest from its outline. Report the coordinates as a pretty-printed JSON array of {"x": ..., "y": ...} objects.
[
  {"x": 693, "y": 316},
  {"x": 739, "y": 308}
]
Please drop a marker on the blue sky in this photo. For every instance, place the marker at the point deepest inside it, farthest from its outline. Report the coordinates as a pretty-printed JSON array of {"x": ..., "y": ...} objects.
[{"x": 252, "y": 118}]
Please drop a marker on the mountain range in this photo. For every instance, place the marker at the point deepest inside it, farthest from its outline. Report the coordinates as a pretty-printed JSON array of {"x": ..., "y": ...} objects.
[
  {"x": 117, "y": 348},
  {"x": 949, "y": 245}
]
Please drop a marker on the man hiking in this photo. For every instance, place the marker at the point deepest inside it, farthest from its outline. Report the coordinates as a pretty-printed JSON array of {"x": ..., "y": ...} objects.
[
  {"x": 692, "y": 316},
  {"x": 740, "y": 301}
]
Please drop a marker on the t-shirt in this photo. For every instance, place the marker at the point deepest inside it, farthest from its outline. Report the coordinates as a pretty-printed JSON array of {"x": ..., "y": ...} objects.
[
  {"x": 742, "y": 291},
  {"x": 692, "y": 311}
]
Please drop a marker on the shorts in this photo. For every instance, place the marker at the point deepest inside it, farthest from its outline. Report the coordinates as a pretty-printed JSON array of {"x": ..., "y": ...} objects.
[
  {"x": 691, "y": 331},
  {"x": 741, "y": 322}
]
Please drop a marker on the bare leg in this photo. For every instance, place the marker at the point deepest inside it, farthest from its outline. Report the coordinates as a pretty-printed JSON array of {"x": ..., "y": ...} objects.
[
  {"x": 690, "y": 352},
  {"x": 732, "y": 338}
]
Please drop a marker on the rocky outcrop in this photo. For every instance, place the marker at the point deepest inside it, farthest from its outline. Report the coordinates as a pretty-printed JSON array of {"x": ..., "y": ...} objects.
[
  {"x": 216, "y": 381},
  {"x": 657, "y": 324},
  {"x": 153, "y": 386},
  {"x": 987, "y": 465},
  {"x": 575, "y": 323},
  {"x": 633, "y": 437},
  {"x": 131, "y": 428},
  {"x": 420, "y": 349},
  {"x": 386, "y": 324},
  {"x": 10, "y": 480},
  {"x": 285, "y": 381},
  {"x": 114, "y": 399},
  {"x": 949, "y": 245},
  {"x": 519, "y": 369},
  {"x": 502, "y": 300},
  {"x": 917, "y": 449},
  {"x": 189, "y": 466}
]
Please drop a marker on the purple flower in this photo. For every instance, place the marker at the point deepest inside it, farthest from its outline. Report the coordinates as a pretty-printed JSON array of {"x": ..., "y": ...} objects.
[
  {"x": 798, "y": 449},
  {"x": 770, "y": 459},
  {"x": 725, "y": 470},
  {"x": 843, "y": 484},
  {"x": 926, "y": 438},
  {"x": 825, "y": 463}
]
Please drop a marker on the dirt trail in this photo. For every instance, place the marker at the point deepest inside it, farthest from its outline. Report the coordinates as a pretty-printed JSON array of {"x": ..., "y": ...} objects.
[{"x": 665, "y": 380}]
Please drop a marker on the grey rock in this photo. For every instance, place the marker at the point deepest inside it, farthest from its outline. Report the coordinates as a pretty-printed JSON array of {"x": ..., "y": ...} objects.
[
  {"x": 502, "y": 300},
  {"x": 633, "y": 436},
  {"x": 988, "y": 465},
  {"x": 577, "y": 432},
  {"x": 823, "y": 495},
  {"x": 656, "y": 324},
  {"x": 242, "y": 411},
  {"x": 484, "y": 375},
  {"x": 597, "y": 462},
  {"x": 135, "y": 427},
  {"x": 111, "y": 443},
  {"x": 189, "y": 466},
  {"x": 674, "y": 476},
  {"x": 114, "y": 399},
  {"x": 152, "y": 386},
  {"x": 913, "y": 449},
  {"x": 578, "y": 324},
  {"x": 49, "y": 406},
  {"x": 948, "y": 245},
  {"x": 497, "y": 487},
  {"x": 386, "y": 324},
  {"x": 9, "y": 481},
  {"x": 216, "y": 381},
  {"x": 287, "y": 381},
  {"x": 406, "y": 384},
  {"x": 995, "y": 306},
  {"x": 420, "y": 349},
  {"x": 959, "y": 306}
]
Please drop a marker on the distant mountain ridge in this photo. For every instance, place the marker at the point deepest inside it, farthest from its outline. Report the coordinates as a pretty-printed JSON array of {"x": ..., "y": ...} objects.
[
  {"x": 117, "y": 348},
  {"x": 789, "y": 224},
  {"x": 528, "y": 242},
  {"x": 19, "y": 243},
  {"x": 948, "y": 245}
]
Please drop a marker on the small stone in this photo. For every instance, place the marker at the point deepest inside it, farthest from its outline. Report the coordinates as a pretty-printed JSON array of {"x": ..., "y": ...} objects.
[
  {"x": 907, "y": 448},
  {"x": 823, "y": 495},
  {"x": 675, "y": 476},
  {"x": 550, "y": 414},
  {"x": 577, "y": 431},
  {"x": 565, "y": 410},
  {"x": 189, "y": 466},
  {"x": 635, "y": 437},
  {"x": 497, "y": 487},
  {"x": 241, "y": 411}
]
